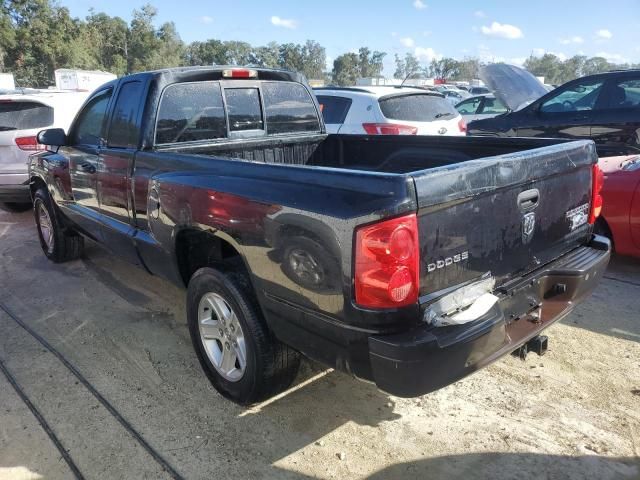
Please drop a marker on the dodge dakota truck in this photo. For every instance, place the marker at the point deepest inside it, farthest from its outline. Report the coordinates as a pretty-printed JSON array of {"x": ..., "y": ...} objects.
[{"x": 408, "y": 261}]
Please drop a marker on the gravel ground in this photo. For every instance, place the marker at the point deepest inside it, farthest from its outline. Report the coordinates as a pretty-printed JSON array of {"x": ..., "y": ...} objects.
[{"x": 572, "y": 414}]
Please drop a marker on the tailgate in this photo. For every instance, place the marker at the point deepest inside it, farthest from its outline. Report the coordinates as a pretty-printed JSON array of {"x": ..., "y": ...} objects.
[{"x": 502, "y": 216}]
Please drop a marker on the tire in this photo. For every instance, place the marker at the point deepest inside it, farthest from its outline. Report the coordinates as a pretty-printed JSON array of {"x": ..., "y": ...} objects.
[
  {"x": 319, "y": 271},
  {"x": 59, "y": 244},
  {"x": 15, "y": 207},
  {"x": 269, "y": 365}
]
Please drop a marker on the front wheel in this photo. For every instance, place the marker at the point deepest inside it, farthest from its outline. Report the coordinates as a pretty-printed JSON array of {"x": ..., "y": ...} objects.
[
  {"x": 58, "y": 244},
  {"x": 239, "y": 355}
]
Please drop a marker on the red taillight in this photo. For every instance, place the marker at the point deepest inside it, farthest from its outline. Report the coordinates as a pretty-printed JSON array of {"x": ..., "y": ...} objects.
[
  {"x": 597, "y": 182},
  {"x": 462, "y": 126},
  {"x": 389, "y": 129},
  {"x": 239, "y": 73},
  {"x": 28, "y": 143},
  {"x": 387, "y": 268}
]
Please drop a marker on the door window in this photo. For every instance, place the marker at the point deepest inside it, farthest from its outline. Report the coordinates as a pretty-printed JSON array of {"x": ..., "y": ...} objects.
[
  {"x": 334, "y": 109},
  {"x": 493, "y": 106},
  {"x": 89, "y": 128},
  {"x": 124, "y": 131},
  {"x": 577, "y": 97},
  {"x": 469, "y": 107},
  {"x": 624, "y": 94}
]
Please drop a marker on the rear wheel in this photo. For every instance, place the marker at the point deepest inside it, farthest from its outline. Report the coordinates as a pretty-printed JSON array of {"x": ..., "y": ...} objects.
[
  {"x": 58, "y": 244},
  {"x": 239, "y": 355}
]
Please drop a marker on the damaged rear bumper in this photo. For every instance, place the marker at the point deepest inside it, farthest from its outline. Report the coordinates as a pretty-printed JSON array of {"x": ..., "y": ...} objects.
[{"x": 425, "y": 359}]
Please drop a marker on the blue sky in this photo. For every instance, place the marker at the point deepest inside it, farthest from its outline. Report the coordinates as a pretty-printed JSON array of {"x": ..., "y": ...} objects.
[{"x": 491, "y": 30}]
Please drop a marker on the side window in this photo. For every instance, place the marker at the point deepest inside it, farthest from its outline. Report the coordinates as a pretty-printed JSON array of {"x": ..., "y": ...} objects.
[
  {"x": 625, "y": 94},
  {"x": 578, "y": 97},
  {"x": 124, "y": 132},
  {"x": 493, "y": 105},
  {"x": 334, "y": 109},
  {"x": 89, "y": 127},
  {"x": 243, "y": 109},
  {"x": 289, "y": 108},
  {"x": 469, "y": 107},
  {"x": 189, "y": 112}
]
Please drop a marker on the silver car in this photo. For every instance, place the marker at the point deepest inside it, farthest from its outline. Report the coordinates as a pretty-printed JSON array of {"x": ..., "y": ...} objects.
[
  {"x": 480, "y": 106},
  {"x": 22, "y": 115}
]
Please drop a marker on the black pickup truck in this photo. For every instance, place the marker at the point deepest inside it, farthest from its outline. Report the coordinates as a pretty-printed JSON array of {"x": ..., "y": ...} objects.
[{"x": 404, "y": 260}]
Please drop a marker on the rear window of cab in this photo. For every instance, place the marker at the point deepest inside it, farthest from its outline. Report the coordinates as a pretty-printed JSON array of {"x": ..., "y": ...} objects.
[{"x": 201, "y": 111}]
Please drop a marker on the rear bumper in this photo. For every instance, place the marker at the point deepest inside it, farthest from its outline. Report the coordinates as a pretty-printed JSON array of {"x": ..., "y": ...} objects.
[
  {"x": 14, "y": 188},
  {"x": 425, "y": 359}
]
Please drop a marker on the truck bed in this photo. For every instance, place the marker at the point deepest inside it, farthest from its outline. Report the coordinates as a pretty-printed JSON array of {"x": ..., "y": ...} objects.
[{"x": 371, "y": 153}]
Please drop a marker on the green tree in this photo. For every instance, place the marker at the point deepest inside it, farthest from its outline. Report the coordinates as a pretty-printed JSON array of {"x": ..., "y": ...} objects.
[
  {"x": 370, "y": 63},
  {"x": 266, "y": 56},
  {"x": 407, "y": 67},
  {"x": 346, "y": 69},
  {"x": 444, "y": 68}
]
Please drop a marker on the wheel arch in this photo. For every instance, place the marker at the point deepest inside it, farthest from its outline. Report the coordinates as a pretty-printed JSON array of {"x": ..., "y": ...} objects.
[{"x": 196, "y": 248}]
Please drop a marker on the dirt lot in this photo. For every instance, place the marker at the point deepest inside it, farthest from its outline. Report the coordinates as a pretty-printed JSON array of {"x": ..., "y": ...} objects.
[{"x": 572, "y": 414}]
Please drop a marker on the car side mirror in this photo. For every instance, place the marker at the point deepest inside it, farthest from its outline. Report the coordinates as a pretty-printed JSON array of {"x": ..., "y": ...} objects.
[{"x": 52, "y": 136}]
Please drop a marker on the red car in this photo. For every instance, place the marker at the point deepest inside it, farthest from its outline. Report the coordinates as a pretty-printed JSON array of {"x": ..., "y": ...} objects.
[{"x": 620, "y": 218}]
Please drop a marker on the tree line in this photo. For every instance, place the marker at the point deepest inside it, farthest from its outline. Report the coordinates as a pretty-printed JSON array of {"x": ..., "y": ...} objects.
[{"x": 39, "y": 36}]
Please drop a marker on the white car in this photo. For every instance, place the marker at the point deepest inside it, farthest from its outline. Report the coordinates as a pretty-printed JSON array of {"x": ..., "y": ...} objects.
[
  {"x": 22, "y": 115},
  {"x": 388, "y": 110}
]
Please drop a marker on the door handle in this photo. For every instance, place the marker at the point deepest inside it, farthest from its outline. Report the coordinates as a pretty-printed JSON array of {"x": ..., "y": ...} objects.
[{"x": 528, "y": 200}]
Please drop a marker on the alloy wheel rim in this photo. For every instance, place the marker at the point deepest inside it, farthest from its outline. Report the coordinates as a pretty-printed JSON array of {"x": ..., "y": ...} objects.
[
  {"x": 46, "y": 229},
  {"x": 222, "y": 336}
]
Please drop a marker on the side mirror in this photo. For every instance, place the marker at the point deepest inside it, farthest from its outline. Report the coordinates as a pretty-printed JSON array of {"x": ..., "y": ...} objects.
[{"x": 52, "y": 136}]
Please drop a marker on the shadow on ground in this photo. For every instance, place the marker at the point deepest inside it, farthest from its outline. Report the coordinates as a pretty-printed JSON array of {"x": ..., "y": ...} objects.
[{"x": 519, "y": 466}]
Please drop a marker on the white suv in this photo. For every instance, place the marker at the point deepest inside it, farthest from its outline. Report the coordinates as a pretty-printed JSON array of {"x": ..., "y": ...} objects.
[
  {"x": 22, "y": 115},
  {"x": 388, "y": 110}
]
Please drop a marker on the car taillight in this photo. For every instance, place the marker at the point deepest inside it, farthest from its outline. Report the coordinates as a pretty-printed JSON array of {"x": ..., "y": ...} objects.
[
  {"x": 386, "y": 273},
  {"x": 239, "y": 73},
  {"x": 28, "y": 143},
  {"x": 389, "y": 129},
  {"x": 462, "y": 125},
  {"x": 597, "y": 182}
]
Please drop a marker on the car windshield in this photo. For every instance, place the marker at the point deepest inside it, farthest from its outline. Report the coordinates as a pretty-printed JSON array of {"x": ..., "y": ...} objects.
[{"x": 416, "y": 107}]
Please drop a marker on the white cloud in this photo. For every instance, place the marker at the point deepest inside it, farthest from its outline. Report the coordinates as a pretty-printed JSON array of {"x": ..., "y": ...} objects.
[
  {"x": 604, "y": 34},
  {"x": 284, "y": 22},
  {"x": 419, "y": 4},
  {"x": 206, "y": 19},
  {"x": 407, "y": 42},
  {"x": 479, "y": 14},
  {"x": 576, "y": 39},
  {"x": 502, "y": 30},
  {"x": 613, "y": 57},
  {"x": 538, "y": 52},
  {"x": 426, "y": 54}
]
